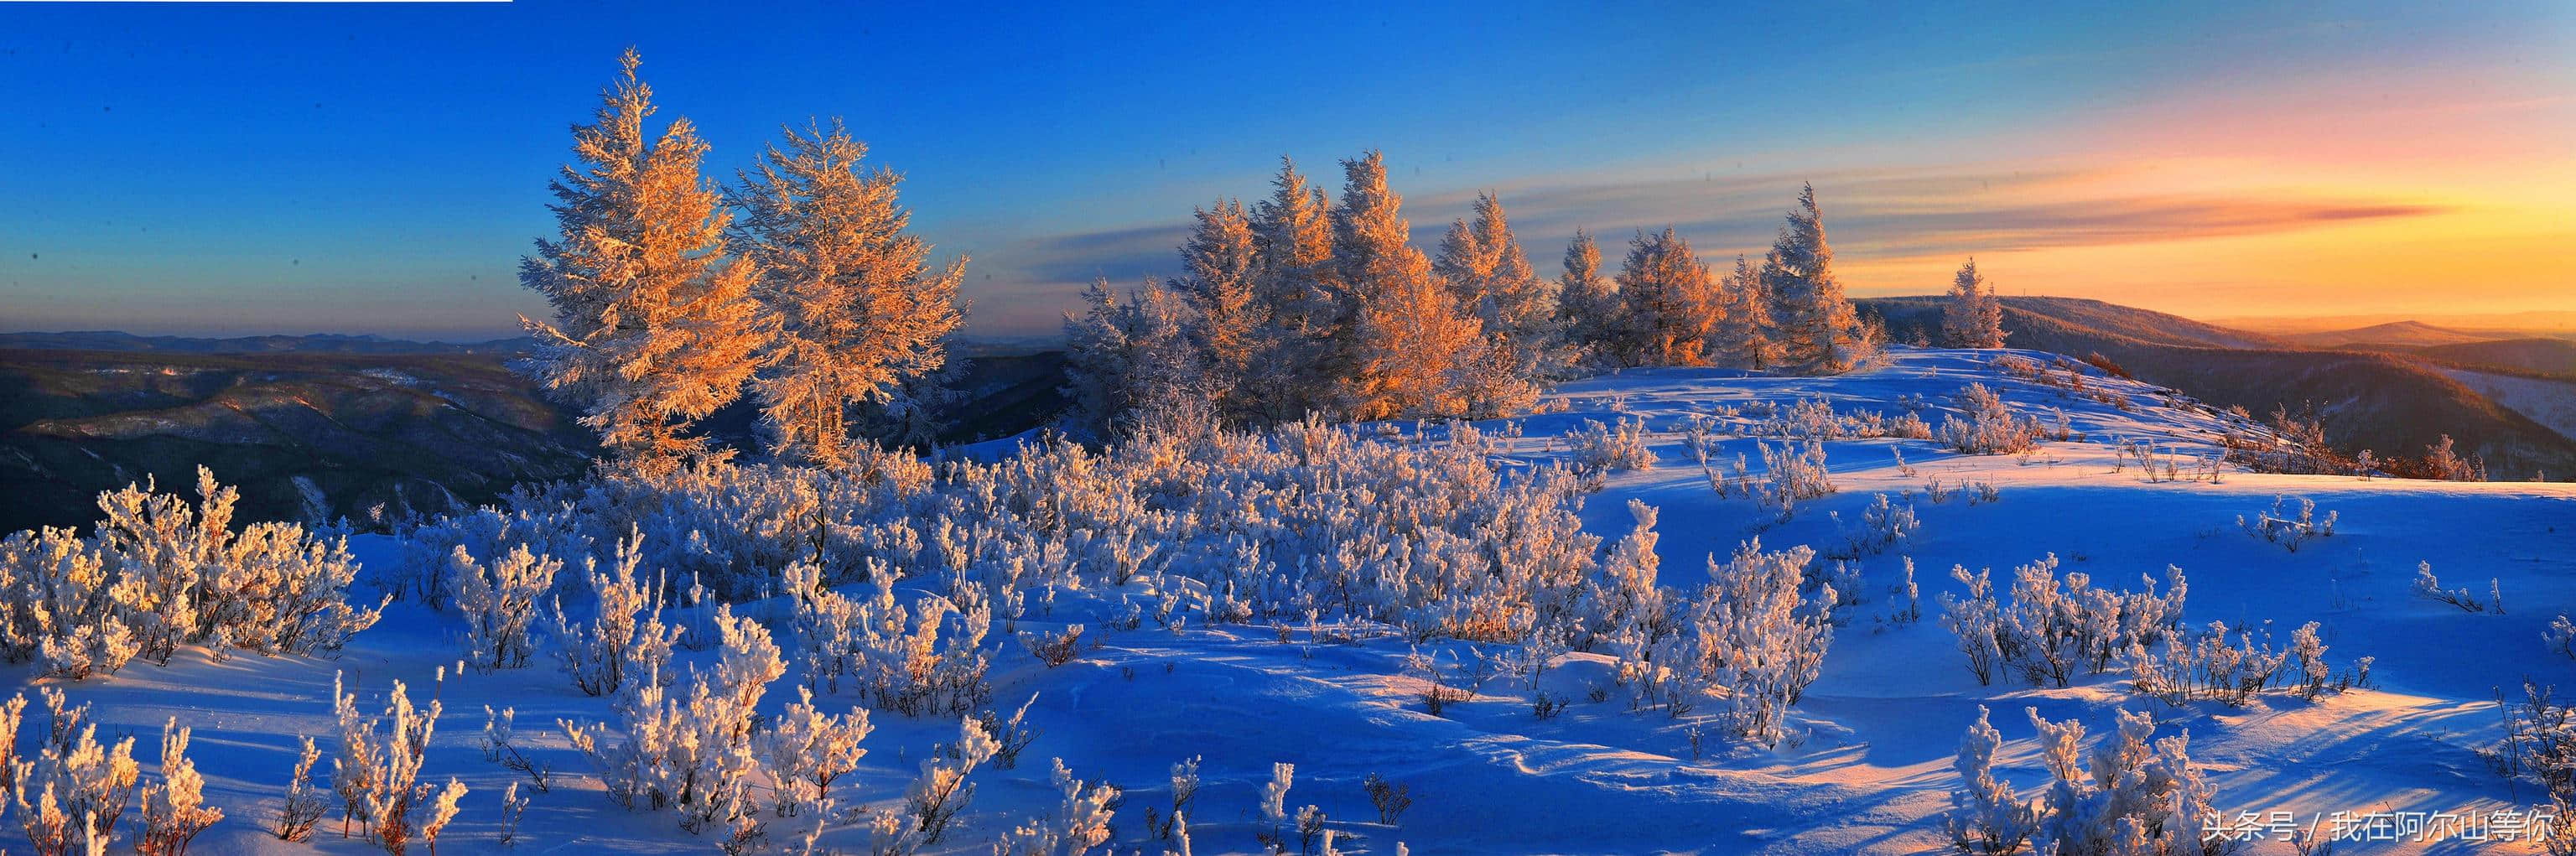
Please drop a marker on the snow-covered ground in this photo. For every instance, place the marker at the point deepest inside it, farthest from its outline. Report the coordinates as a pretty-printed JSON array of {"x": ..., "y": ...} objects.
[{"x": 1868, "y": 765}]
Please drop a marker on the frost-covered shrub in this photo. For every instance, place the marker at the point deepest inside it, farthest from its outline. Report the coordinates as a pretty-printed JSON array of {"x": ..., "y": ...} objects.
[
  {"x": 1984, "y": 425},
  {"x": 1792, "y": 474},
  {"x": 2539, "y": 743},
  {"x": 159, "y": 573},
  {"x": 925, "y": 658},
  {"x": 691, "y": 755},
  {"x": 935, "y": 798},
  {"x": 1985, "y": 817},
  {"x": 1054, "y": 649},
  {"x": 2429, "y": 587},
  {"x": 1079, "y": 823},
  {"x": 806, "y": 750},
  {"x": 500, "y": 603},
  {"x": 1884, "y": 526},
  {"x": 1752, "y": 635},
  {"x": 424, "y": 568},
  {"x": 377, "y": 773},
  {"x": 2560, "y": 637},
  {"x": 1977, "y": 622},
  {"x": 75, "y": 789},
  {"x": 735, "y": 528},
  {"x": 498, "y": 747},
  {"x": 2051, "y": 628},
  {"x": 2288, "y": 529},
  {"x": 174, "y": 810},
  {"x": 2133, "y": 797},
  {"x": 2059, "y": 626},
  {"x": 1597, "y": 448},
  {"x": 304, "y": 803},
  {"x": 2203, "y": 666},
  {"x": 626, "y": 640}
]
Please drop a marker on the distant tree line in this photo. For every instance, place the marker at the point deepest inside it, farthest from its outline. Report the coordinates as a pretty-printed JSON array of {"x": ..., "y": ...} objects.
[{"x": 801, "y": 287}]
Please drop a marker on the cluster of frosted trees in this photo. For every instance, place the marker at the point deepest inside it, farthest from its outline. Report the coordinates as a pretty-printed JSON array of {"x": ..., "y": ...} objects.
[
  {"x": 1301, "y": 305},
  {"x": 673, "y": 298}
]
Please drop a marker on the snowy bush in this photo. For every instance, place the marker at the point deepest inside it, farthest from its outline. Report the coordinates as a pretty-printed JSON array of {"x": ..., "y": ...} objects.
[
  {"x": 424, "y": 568},
  {"x": 75, "y": 789},
  {"x": 499, "y": 604},
  {"x": 1977, "y": 622},
  {"x": 1884, "y": 526},
  {"x": 2134, "y": 796},
  {"x": 1752, "y": 635},
  {"x": 806, "y": 750},
  {"x": 1597, "y": 448},
  {"x": 1792, "y": 474},
  {"x": 1985, "y": 817},
  {"x": 174, "y": 810},
  {"x": 499, "y": 748},
  {"x": 1984, "y": 425},
  {"x": 2560, "y": 637},
  {"x": 926, "y": 658},
  {"x": 377, "y": 774},
  {"x": 626, "y": 640},
  {"x": 2053, "y": 627},
  {"x": 304, "y": 804},
  {"x": 2287, "y": 529},
  {"x": 158, "y": 574},
  {"x": 691, "y": 755},
  {"x": 1079, "y": 823},
  {"x": 2429, "y": 587},
  {"x": 935, "y": 798}
]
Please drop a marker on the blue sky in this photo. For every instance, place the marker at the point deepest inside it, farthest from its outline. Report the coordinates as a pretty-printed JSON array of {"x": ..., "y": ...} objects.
[{"x": 380, "y": 168}]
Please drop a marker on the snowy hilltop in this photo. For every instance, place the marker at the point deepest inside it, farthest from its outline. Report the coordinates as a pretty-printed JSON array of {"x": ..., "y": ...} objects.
[{"x": 1988, "y": 599}]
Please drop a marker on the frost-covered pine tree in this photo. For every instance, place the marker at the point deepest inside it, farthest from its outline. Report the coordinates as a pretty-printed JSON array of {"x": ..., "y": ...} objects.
[
  {"x": 1486, "y": 268},
  {"x": 1974, "y": 317},
  {"x": 1410, "y": 346},
  {"x": 1668, "y": 308},
  {"x": 1819, "y": 330},
  {"x": 1224, "y": 265},
  {"x": 1744, "y": 335},
  {"x": 1587, "y": 303},
  {"x": 654, "y": 326},
  {"x": 1300, "y": 291},
  {"x": 862, "y": 321}
]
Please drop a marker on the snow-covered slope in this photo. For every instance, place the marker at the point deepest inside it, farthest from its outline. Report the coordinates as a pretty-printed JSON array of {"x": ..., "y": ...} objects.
[{"x": 1868, "y": 764}]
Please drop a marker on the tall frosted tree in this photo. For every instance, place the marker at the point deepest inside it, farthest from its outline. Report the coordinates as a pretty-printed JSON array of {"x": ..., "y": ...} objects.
[
  {"x": 1487, "y": 270},
  {"x": 1744, "y": 328},
  {"x": 1411, "y": 346},
  {"x": 1668, "y": 307},
  {"x": 862, "y": 321},
  {"x": 1224, "y": 263},
  {"x": 1587, "y": 302},
  {"x": 1300, "y": 292},
  {"x": 1819, "y": 330},
  {"x": 1974, "y": 317},
  {"x": 654, "y": 326}
]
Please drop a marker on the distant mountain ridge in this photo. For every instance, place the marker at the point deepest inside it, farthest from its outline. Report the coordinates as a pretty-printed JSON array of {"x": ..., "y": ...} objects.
[
  {"x": 2390, "y": 402},
  {"x": 316, "y": 343},
  {"x": 2410, "y": 333}
]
